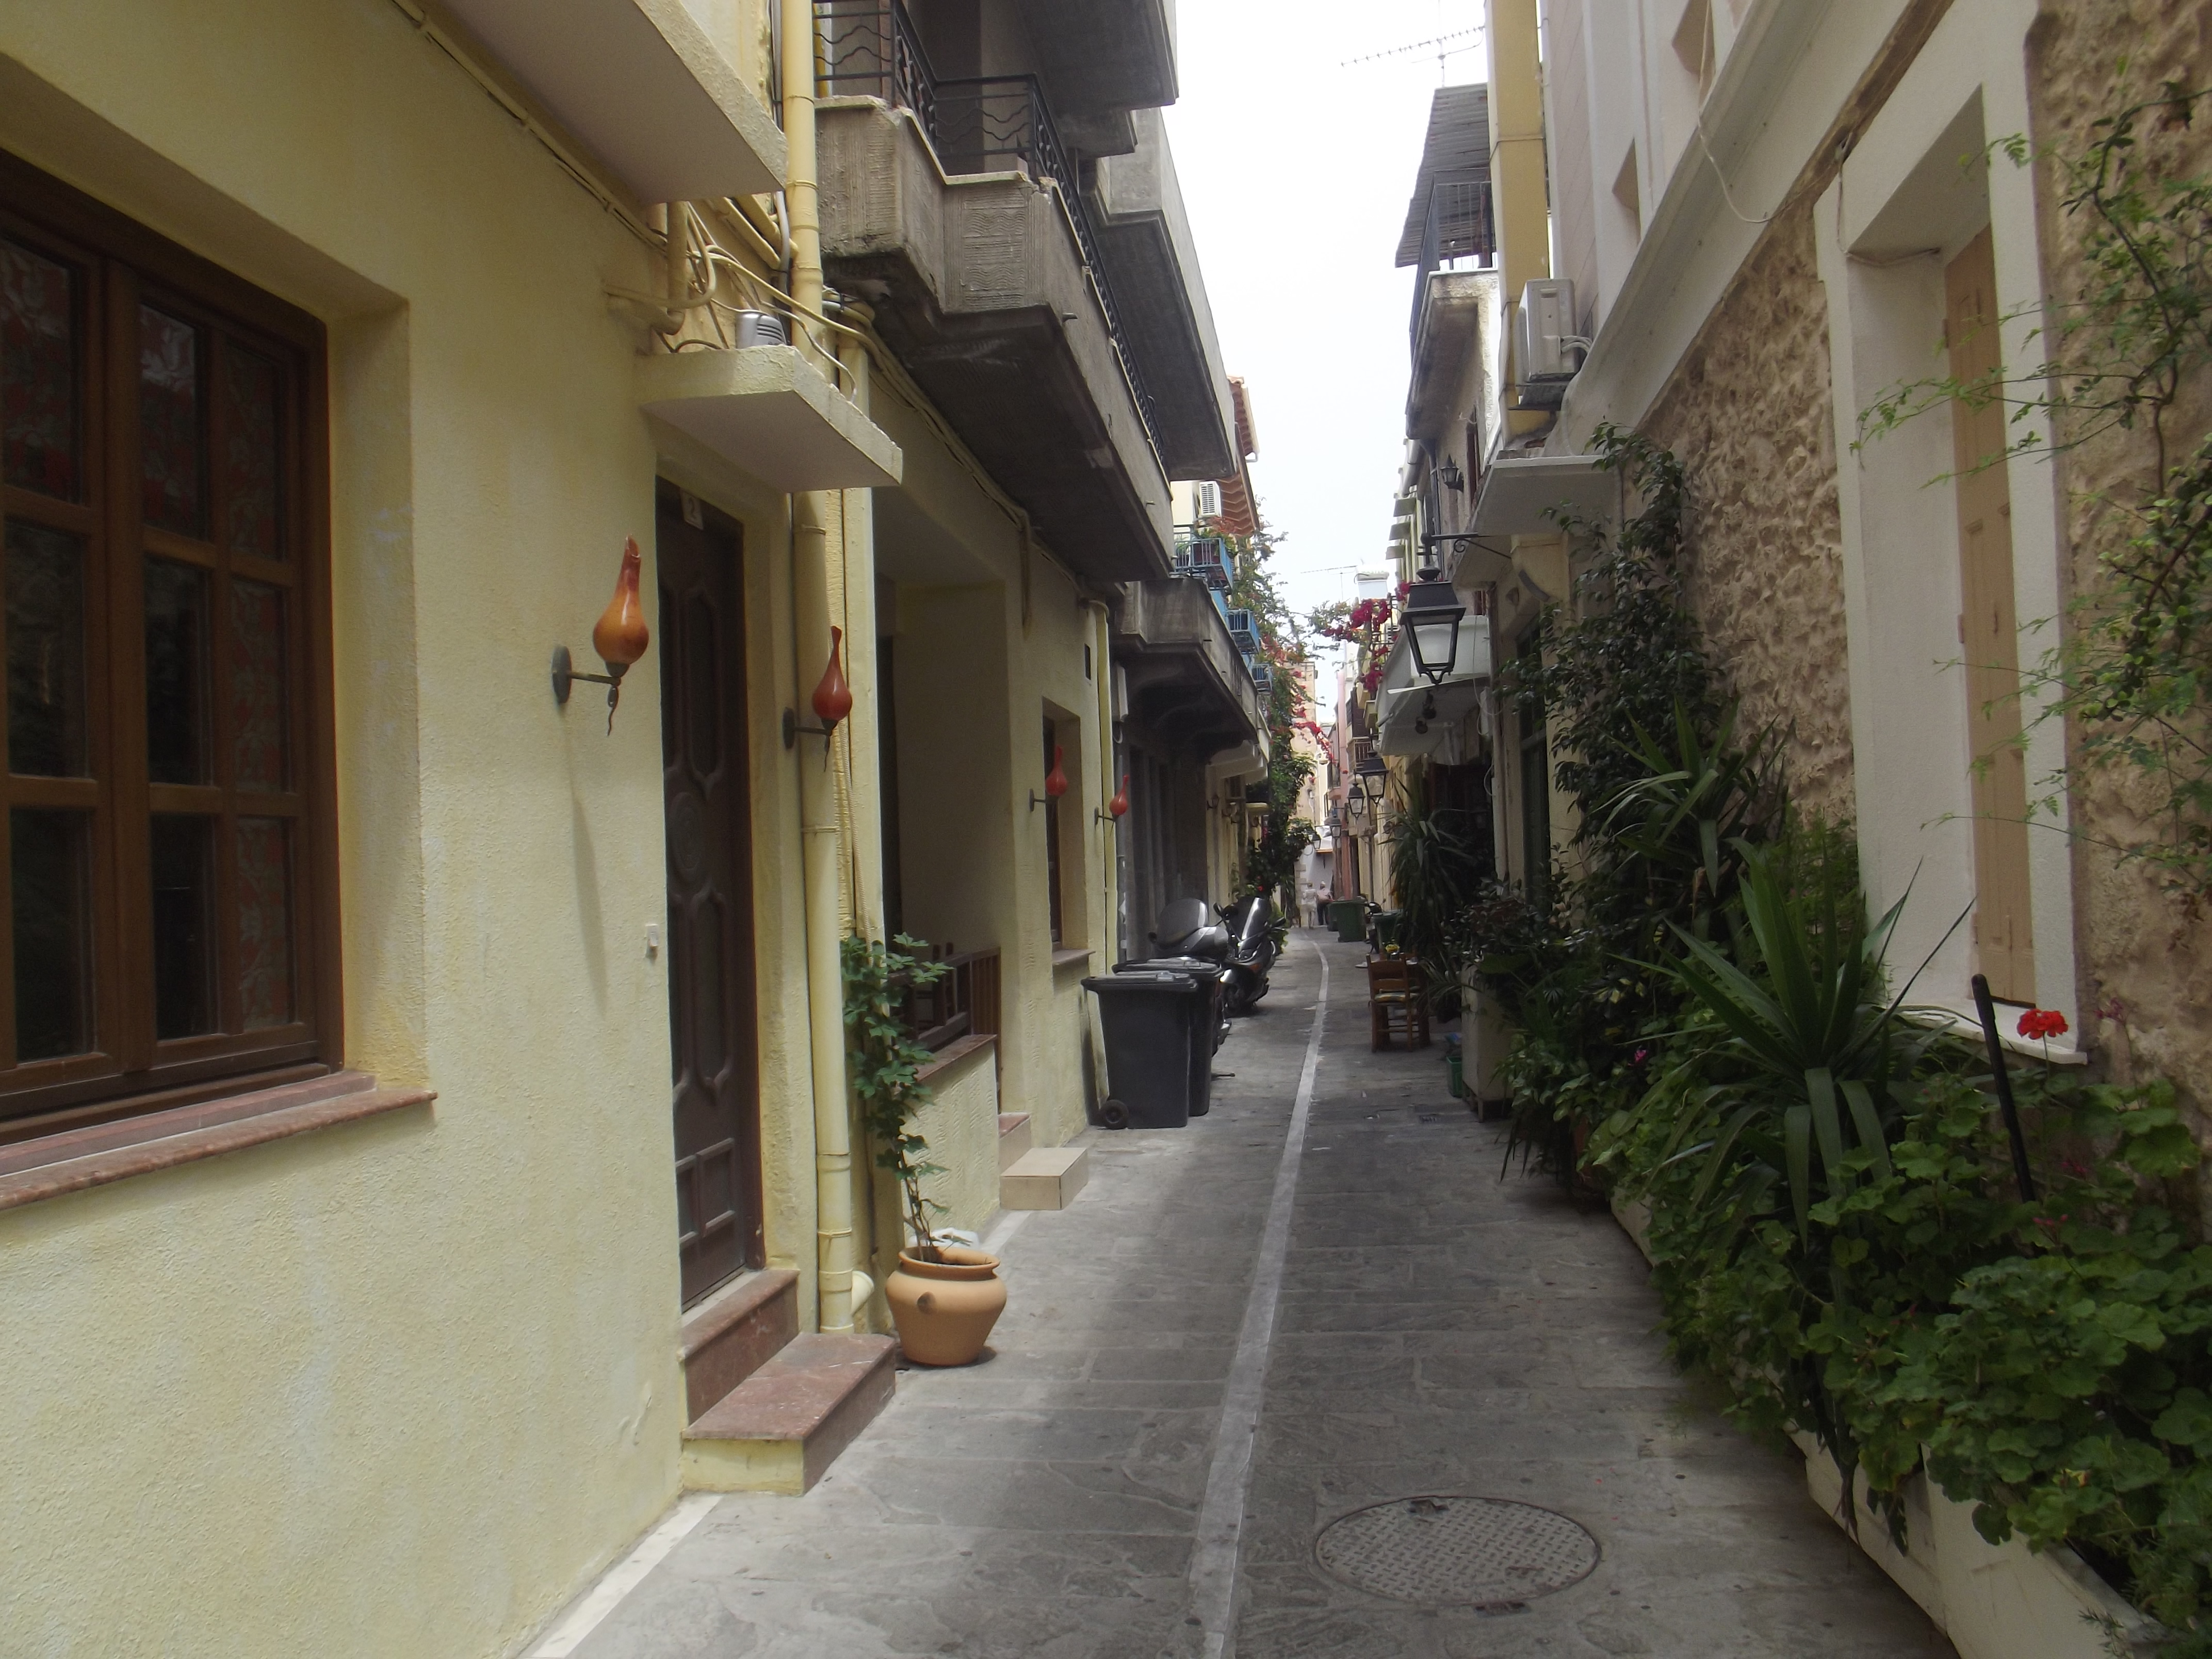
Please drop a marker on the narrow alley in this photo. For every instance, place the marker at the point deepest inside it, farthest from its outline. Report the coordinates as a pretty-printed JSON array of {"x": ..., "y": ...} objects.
[{"x": 1420, "y": 1329}]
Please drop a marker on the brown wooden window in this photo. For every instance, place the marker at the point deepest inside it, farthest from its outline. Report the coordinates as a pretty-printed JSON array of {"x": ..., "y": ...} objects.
[{"x": 166, "y": 859}]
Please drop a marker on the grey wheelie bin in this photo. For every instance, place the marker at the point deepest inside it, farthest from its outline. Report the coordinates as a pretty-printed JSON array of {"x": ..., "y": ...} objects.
[
  {"x": 1212, "y": 1027},
  {"x": 1152, "y": 1020}
]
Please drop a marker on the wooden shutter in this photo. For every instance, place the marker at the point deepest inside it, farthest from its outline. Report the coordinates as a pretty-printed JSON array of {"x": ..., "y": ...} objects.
[{"x": 1989, "y": 631}]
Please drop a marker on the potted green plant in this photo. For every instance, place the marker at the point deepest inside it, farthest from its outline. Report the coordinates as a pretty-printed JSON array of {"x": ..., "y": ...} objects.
[{"x": 944, "y": 1298}]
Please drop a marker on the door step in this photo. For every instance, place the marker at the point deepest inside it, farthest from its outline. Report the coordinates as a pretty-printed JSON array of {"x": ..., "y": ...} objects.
[
  {"x": 781, "y": 1428},
  {"x": 734, "y": 1332},
  {"x": 1013, "y": 1137},
  {"x": 1047, "y": 1178}
]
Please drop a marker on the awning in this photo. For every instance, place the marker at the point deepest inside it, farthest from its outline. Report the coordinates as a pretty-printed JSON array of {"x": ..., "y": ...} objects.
[{"x": 1448, "y": 713}]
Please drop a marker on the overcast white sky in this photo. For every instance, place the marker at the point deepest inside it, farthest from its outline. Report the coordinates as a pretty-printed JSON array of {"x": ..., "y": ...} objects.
[{"x": 1296, "y": 172}]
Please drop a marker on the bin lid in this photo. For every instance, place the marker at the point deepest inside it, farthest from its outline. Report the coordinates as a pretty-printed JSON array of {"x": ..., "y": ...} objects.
[
  {"x": 1172, "y": 965},
  {"x": 1143, "y": 983}
]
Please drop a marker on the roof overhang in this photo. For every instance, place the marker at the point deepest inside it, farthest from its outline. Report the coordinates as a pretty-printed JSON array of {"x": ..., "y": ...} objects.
[
  {"x": 770, "y": 412},
  {"x": 642, "y": 84}
]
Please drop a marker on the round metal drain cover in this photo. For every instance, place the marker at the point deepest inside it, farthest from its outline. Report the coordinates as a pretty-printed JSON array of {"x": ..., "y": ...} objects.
[{"x": 1448, "y": 1550}]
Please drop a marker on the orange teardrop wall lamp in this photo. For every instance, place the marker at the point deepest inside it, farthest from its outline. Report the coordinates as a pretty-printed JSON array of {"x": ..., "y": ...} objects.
[
  {"x": 620, "y": 636},
  {"x": 1117, "y": 806},
  {"x": 832, "y": 700},
  {"x": 1055, "y": 783}
]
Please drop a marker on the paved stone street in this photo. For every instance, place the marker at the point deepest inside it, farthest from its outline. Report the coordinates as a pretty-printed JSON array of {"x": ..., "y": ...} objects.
[{"x": 1437, "y": 1331}]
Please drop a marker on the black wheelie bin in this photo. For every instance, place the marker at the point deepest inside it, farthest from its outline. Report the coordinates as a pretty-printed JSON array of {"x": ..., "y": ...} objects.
[
  {"x": 1212, "y": 1027},
  {"x": 1154, "y": 1020}
]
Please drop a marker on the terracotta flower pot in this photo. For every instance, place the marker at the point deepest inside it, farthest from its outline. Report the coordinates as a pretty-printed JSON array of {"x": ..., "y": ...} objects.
[{"x": 944, "y": 1309}]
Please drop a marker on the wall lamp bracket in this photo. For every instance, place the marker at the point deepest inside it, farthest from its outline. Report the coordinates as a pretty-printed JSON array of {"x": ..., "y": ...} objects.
[
  {"x": 620, "y": 636},
  {"x": 566, "y": 674},
  {"x": 792, "y": 730}
]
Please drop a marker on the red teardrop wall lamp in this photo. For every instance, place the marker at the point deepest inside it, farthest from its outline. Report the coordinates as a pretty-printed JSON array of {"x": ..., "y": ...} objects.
[
  {"x": 1055, "y": 783},
  {"x": 832, "y": 699},
  {"x": 1116, "y": 806},
  {"x": 620, "y": 636}
]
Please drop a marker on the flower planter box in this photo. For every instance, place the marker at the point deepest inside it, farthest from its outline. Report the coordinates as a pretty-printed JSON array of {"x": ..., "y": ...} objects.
[
  {"x": 1993, "y": 1600},
  {"x": 1486, "y": 1034}
]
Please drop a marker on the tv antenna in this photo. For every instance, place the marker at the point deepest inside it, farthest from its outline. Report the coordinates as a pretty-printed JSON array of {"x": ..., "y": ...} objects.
[{"x": 1442, "y": 41}]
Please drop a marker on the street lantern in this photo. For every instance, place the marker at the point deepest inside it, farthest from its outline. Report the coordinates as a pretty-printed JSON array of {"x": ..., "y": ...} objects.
[
  {"x": 1370, "y": 779},
  {"x": 1433, "y": 614}
]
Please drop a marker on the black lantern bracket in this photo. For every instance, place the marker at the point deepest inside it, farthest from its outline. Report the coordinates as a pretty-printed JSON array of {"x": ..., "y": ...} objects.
[{"x": 793, "y": 729}]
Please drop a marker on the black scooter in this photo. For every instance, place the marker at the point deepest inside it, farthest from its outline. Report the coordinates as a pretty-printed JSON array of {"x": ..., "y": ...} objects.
[{"x": 1254, "y": 944}]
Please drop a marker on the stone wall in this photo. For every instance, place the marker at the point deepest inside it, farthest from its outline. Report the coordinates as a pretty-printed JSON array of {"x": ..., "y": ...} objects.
[
  {"x": 2146, "y": 955},
  {"x": 1747, "y": 412}
]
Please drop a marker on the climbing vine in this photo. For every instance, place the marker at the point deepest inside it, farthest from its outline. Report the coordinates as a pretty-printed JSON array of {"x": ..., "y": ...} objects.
[
  {"x": 1272, "y": 865},
  {"x": 883, "y": 1064}
]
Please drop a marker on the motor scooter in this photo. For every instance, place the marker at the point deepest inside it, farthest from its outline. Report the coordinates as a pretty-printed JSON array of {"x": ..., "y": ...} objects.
[
  {"x": 1187, "y": 932},
  {"x": 1254, "y": 941}
]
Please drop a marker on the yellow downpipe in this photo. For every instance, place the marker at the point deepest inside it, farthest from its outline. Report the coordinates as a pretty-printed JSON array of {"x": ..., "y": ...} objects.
[{"x": 820, "y": 848}]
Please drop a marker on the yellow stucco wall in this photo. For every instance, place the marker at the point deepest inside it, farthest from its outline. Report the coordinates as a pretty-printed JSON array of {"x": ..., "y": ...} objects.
[
  {"x": 980, "y": 663},
  {"x": 396, "y": 1388},
  {"x": 960, "y": 1124}
]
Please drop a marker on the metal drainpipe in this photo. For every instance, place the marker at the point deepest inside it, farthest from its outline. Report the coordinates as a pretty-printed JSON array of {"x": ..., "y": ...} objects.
[{"x": 821, "y": 851}]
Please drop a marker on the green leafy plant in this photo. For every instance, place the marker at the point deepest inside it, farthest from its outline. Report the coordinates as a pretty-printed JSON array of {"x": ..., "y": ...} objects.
[
  {"x": 882, "y": 1061},
  {"x": 1435, "y": 868},
  {"x": 1809, "y": 1030},
  {"x": 1271, "y": 865}
]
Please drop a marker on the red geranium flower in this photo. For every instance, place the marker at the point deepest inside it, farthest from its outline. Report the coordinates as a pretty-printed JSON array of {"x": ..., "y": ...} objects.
[{"x": 2042, "y": 1023}]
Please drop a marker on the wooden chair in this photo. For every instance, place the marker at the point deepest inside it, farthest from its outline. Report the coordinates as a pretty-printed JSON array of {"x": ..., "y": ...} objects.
[{"x": 1397, "y": 1001}]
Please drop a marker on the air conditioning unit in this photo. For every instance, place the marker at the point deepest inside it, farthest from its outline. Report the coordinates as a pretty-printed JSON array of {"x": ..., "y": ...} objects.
[
  {"x": 1263, "y": 678},
  {"x": 1209, "y": 500},
  {"x": 1243, "y": 632},
  {"x": 1545, "y": 340}
]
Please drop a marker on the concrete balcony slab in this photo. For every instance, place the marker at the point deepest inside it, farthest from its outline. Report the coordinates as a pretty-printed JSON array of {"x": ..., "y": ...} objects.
[
  {"x": 641, "y": 84},
  {"x": 768, "y": 410},
  {"x": 1183, "y": 673},
  {"x": 979, "y": 285}
]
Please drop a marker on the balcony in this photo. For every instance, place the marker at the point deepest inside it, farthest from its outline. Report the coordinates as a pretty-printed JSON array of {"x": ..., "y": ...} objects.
[
  {"x": 640, "y": 82},
  {"x": 951, "y": 207},
  {"x": 1187, "y": 680},
  {"x": 1145, "y": 233}
]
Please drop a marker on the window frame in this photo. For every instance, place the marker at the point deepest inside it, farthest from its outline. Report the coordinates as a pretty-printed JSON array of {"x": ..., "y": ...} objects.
[{"x": 121, "y": 264}]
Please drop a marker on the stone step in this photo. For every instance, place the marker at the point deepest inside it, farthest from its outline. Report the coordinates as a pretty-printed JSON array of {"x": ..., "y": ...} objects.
[
  {"x": 1013, "y": 1137},
  {"x": 734, "y": 1332},
  {"x": 1045, "y": 1178},
  {"x": 779, "y": 1429}
]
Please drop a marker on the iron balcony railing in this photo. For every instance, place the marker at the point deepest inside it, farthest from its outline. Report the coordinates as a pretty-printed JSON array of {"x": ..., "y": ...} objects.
[
  {"x": 985, "y": 124},
  {"x": 1459, "y": 225}
]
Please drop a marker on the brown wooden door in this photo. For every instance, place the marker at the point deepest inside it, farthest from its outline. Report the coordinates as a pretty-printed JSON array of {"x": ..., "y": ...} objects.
[
  {"x": 710, "y": 925},
  {"x": 1989, "y": 629}
]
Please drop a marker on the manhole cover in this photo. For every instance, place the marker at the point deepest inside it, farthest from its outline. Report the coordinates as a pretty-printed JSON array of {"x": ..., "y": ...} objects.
[{"x": 1453, "y": 1550}]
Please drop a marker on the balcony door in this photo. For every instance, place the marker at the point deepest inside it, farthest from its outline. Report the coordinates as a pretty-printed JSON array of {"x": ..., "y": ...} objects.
[{"x": 710, "y": 925}]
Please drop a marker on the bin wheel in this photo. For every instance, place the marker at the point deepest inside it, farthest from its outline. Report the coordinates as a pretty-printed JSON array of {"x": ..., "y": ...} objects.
[{"x": 1113, "y": 1114}]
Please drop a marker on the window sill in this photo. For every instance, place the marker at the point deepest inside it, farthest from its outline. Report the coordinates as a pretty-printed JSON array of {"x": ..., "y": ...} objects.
[
  {"x": 71, "y": 1162},
  {"x": 1073, "y": 956},
  {"x": 951, "y": 1053},
  {"x": 1963, "y": 1022}
]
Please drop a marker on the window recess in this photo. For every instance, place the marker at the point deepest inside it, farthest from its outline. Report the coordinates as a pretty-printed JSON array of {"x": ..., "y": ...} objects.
[{"x": 166, "y": 865}]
